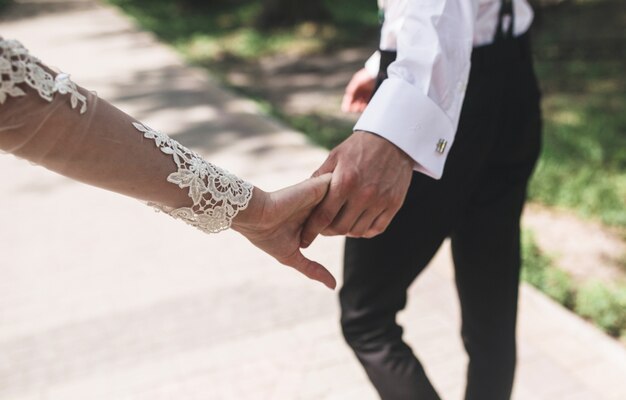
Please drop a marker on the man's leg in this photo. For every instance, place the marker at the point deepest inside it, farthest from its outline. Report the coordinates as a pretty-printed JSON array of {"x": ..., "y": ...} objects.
[
  {"x": 485, "y": 247},
  {"x": 377, "y": 273},
  {"x": 486, "y": 242}
]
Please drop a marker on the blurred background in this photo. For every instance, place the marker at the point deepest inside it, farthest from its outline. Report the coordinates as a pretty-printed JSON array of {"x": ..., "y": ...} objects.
[
  {"x": 137, "y": 317},
  {"x": 295, "y": 58}
]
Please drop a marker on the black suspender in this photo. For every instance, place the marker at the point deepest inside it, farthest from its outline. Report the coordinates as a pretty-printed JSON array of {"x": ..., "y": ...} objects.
[{"x": 506, "y": 9}]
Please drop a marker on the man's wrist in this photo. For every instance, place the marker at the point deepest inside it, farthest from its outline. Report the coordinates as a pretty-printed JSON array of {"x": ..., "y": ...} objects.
[{"x": 401, "y": 153}]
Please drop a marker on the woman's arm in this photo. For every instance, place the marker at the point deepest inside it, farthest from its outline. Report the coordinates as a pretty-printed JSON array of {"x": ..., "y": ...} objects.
[{"x": 48, "y": 120}]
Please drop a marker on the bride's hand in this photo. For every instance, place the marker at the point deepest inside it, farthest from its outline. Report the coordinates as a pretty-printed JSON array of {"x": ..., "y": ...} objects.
[{"x": 273, "y": 223}]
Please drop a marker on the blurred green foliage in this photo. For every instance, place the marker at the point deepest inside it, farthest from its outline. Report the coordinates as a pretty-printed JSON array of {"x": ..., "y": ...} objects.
[
  {"x": 217, "y": 30},
  {"x": 596, "y": 301},
  {"x": 605, "y": 306},
  {"x": 4, "y": 3},
  {"x": 538, "y": 270},
  {"x": 580, "y": 58}
]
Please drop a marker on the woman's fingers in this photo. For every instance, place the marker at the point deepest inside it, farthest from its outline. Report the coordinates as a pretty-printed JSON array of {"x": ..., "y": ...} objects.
[
  {"x": 310, "y": 269},
  {"x": 302, "y": 196},
  {"x": 285, "y": 215}
]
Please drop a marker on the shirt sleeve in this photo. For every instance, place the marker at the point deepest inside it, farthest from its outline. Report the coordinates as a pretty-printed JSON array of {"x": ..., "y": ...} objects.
[
  {"x": 418, "y": 107},
  {"x": 372, "y": 65}
]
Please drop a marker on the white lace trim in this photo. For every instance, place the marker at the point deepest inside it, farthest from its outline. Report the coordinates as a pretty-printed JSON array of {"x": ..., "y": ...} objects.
[
  {"x": 217, "y": 195},
  {"x": 18, "y": 66}
]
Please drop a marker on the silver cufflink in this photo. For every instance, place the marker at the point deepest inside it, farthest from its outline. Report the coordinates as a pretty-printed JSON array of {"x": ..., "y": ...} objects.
[{"x": 441, "y": 146}]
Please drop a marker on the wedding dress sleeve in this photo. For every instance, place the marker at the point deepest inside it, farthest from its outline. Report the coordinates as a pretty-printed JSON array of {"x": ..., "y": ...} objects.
[{"x": 49, "y": 120}]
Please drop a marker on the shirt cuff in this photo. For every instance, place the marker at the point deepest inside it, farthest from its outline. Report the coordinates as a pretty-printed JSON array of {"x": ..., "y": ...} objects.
[
  {"x": 372, "y": 65},
  {"x": 406, "y": 117}
]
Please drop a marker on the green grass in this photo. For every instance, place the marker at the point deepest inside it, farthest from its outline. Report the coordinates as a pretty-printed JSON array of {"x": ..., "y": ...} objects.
[
  {"x": 583, "y": 166},
  {"x": 595, "y": 301},
  {"x": 320, "y": 129},
  {"x": 538, "y": 270},
  {"x": 605, "y": 306},
  {"x": 226, "y": 30},
  {"x": 580, "y": 61}
]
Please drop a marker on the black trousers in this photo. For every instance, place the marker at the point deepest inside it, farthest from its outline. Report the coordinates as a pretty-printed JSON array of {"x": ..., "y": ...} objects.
[{"x": 477, "y": 204}]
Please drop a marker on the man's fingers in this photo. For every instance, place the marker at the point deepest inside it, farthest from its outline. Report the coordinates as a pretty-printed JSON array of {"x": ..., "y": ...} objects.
[
  {"x": 364, "y": 222},
  {"x": 354, "y": 102},
  {"x": 346, "y": 218},
  {"x": 380, "y": 224},
  {"x": 358, "y": 106},
  {"x": 322, "y": 216},
  {"x": 347, "y": 101},
  {"x": 311, "y": 269},
  {"x": 358, "y": 92},
  {"x": 327, "y": 167}
]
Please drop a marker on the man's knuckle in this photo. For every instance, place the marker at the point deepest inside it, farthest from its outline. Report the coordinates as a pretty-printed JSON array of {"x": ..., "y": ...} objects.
[
  {"x": 329, "y": 232},
  {"x": 396, "y": 207},
  {"x": 342, "y": 230},
  {"x": 339, "y": 228},
  {"x": 370, "y": 193},
  {"x": 349, "y": 179},
  {"x": 333, "y": 155}
]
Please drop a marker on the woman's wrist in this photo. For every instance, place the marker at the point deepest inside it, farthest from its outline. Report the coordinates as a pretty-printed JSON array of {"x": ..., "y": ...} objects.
[{"x": 251, "y": 216}]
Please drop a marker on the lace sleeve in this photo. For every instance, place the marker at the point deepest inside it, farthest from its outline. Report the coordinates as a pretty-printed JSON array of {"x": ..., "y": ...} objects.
[
  {"x": 18, "y": 66},
  {"x": 215, "y": 195}
]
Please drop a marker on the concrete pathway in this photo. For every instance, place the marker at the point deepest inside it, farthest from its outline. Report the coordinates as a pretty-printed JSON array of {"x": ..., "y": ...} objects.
[{"x": 100, "y": 298}]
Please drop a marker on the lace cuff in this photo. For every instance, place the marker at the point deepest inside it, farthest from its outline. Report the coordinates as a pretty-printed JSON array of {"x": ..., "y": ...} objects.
[
  {"x": 18, "y": 66},
  {"x": 217, "y": 195}
]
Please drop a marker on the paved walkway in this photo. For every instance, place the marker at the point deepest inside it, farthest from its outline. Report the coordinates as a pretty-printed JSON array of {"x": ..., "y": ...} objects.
[{"x": 102, "y": 299}]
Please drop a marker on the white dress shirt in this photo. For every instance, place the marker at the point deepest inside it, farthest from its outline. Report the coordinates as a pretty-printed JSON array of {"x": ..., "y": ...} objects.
[{"x": 418, "y": 107}]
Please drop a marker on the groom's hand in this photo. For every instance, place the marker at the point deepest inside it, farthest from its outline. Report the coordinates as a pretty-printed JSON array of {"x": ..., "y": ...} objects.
[
  {"x": 273, "y": 223},
  {"x": 358, "y": 92},
  {"x": 370, "y": 179}
]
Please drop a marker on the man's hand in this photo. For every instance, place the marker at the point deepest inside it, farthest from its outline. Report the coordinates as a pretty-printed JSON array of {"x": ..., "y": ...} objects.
[
  {"x": 358, "y": 92},
  {"x": 370, "y": 180},
  {"x": 273, "y": 223}
]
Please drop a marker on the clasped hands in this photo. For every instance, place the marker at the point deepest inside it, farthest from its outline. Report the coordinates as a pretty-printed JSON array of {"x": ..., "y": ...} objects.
[{"x": 356, "y": 192}]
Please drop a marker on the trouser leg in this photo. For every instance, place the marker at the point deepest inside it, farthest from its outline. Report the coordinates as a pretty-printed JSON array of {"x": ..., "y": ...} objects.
[
  {"x": 377, "y": 273},
  {"x": 486, "y": 253},
  {"x": 486, "y": 243}
]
